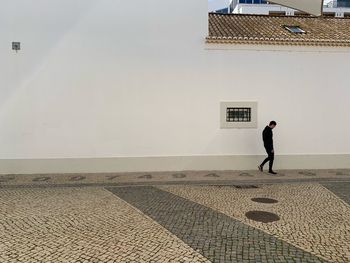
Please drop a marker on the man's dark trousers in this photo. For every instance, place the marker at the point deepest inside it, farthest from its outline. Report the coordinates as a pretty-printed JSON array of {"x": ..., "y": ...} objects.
[{"x": 270, "y": 158}]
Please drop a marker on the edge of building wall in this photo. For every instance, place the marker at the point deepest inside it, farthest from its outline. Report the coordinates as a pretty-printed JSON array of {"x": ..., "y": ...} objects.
[{"x": 169, "y": 163}]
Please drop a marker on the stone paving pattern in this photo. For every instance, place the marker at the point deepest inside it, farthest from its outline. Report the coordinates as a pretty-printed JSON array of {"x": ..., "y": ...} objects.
[
  {"x": 217, "y": 177},
  {"x": 218, "y": 237},
  {"x": 82, "y": 225},
  {"x": 340, "y": 189},
  {"x": 312, "y": 218},
  {"x": 42, "y": 221}
]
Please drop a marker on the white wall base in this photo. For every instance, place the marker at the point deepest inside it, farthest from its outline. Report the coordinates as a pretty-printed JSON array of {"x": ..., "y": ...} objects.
[{"x": 169, "y": 163}]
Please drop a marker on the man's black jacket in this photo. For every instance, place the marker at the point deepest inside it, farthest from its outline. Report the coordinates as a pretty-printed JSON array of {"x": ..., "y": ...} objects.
[{"x": 267, "y": 137}]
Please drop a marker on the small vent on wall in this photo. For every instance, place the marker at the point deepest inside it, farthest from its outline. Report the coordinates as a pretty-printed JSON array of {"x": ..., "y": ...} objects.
[{"x": 16, "y": 46}]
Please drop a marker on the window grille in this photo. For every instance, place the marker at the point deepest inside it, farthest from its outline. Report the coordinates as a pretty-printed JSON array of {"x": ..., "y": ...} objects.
[{"x": 238, "y": 114}]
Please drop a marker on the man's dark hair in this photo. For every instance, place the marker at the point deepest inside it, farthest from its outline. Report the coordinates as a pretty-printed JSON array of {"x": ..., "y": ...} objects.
[{"x": 273, "y": 123}]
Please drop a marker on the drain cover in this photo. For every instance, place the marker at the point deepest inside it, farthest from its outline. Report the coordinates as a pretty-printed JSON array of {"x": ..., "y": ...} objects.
[
  {"x": 262, "y": 216},
  {"x": 264, "y": 200}
]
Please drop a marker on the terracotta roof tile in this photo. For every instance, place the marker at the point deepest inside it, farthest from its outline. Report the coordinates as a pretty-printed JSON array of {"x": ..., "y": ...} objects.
[{"x": 263, "y": 29}]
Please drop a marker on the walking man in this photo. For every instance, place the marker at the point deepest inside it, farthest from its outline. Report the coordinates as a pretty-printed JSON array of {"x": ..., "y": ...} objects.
[{"x": 268, "y": 144}]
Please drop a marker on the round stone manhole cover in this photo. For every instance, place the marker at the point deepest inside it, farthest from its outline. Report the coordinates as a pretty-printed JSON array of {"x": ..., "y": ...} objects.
[
  {"x": 262, "y": 216},
  {"x": 264, "y": 200}
]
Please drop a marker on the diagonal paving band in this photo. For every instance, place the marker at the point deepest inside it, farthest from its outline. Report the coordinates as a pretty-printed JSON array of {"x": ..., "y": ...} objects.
[{"x": 216, "y": 236}]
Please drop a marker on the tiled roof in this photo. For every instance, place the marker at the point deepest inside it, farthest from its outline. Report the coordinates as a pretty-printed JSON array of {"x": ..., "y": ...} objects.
[{"x": 264, "y": 29}]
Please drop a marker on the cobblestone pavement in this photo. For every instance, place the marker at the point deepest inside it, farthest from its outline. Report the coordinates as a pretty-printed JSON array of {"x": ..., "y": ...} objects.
[
  {"x": 311, "y": 217},
  {"x": 203, "y": 220},
  {"x": 216, "y": 236},
  {"x": 192, "y": 177},
  {"x": 340, "y": 189},
  {"x": 82, "y": 225}
]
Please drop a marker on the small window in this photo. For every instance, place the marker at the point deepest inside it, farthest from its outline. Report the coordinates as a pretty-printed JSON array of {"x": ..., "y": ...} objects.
[
  {"x": 238, "y": 114},
  {"x": 294, "y": 29}
]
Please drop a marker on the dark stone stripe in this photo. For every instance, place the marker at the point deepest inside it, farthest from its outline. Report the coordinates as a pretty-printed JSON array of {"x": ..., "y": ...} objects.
[
  {"x": 216, "y": 236},
  {"x": 342, "y": 190}
]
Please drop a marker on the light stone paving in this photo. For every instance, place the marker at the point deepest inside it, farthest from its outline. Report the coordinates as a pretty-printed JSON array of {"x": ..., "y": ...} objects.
[
  {"x": 312, "y": 218},
  {"x": 82, "y": 225}
]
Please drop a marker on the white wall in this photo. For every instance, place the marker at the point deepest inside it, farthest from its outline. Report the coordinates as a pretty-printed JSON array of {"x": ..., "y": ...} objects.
[
  {"x": 112, "y": 78},
  {"x": 261, "y": 9}
]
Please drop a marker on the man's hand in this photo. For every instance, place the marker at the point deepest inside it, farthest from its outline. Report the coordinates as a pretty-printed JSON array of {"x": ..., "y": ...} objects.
[{"x": 272, "y": 151}]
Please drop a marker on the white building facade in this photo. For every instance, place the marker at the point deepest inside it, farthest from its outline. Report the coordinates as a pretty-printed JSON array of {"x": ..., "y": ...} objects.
[
  {"x": 271, "y": 9},
  {"x": 106, "y": 86}
]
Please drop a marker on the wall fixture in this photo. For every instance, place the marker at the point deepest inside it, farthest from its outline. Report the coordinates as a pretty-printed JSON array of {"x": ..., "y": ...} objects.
[
  {"x": 16, "y": 46},
  {"x": 238, "y": 114}
]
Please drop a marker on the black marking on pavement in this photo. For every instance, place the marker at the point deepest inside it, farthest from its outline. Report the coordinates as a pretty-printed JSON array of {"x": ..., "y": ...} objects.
[
  {"x": 41, "y": 179},
  {"x": 246, "y": 175},
  {"x": 307, "y": 173},
  {"x": 212, "y": 175},
  {"x": 179, "y": 175},
  {"x": 77, "y": 178},
  {"x": 145, "y": 176},
  {"x": 111, "y": 177}
]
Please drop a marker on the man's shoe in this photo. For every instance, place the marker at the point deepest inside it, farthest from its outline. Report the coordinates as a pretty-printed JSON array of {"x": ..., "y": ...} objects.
[
  {"x": 272, "y": 172},
  {"x": 260, "y": 168}
]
